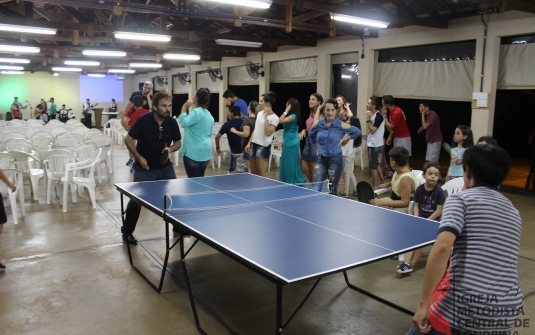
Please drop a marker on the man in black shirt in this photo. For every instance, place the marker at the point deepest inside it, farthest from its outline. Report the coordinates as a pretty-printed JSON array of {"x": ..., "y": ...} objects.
[
  {"x": 155, "y": 133},
  {"x": 146, "y": 93}
]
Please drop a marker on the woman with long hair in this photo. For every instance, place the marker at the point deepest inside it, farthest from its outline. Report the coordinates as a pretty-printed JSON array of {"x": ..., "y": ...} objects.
[
  {"x": 290, "y": 171},
  {"x": 310, "y": 153},
  {"x": 329, "y": 134},
  {"x": 260, "y": 142},
  {"x": 344, "y": 112},
  {"x": 198, "y": 129},
  {"x": 246, "y": 131}
]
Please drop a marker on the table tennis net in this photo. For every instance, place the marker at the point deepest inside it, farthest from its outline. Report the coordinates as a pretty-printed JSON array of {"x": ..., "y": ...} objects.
[{"x": 217, "y": 199}]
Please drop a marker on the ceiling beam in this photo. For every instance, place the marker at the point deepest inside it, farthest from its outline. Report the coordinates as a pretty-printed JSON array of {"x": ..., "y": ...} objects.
[
  {"x": 308, "y": 16},
  {"x": 428, "y": 9},
  {"x": 400, "y": 11},
  {"x": 102, "y": 17},
  {"x": 371, "y": 4}
]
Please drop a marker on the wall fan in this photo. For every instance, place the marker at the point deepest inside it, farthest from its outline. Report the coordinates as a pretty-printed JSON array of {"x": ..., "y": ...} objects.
[
  {"x": 183, "y": 78},
  {"x": 214, "y": 74},
  {"x": 161, "y": 81},
  {"x": 254, "y": 70}
]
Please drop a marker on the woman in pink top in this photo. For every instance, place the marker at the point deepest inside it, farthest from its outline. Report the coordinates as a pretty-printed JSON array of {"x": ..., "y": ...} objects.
[{"x": 310, "y": 154}]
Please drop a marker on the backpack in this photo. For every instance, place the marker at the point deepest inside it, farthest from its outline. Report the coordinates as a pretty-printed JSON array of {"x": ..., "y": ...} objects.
[{"x": 9, "y": 116}]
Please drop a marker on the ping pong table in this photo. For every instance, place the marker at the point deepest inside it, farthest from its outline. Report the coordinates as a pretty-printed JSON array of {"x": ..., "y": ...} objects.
[{"x": 287, "y": 234}]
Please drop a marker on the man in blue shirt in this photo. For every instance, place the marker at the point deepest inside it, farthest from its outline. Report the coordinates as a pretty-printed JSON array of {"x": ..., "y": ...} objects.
[
  {"x": 234, "y": 141},
  {"x": 232, "y": 100}
]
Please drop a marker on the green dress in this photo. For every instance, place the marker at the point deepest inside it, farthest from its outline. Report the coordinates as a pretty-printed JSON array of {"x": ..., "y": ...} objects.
[{"x": 290, "y": 171}]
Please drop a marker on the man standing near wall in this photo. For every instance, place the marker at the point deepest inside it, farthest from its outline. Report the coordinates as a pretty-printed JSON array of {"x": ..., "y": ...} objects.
[
  {"x": 232, "y": 100},
  {"x": 53, "y": 108},
  {"x": 433, "y": 135},
  {"x": 87, "y": 112},
  {"x": 397, "y": 126},
  {"x": 375, "y": 140}
]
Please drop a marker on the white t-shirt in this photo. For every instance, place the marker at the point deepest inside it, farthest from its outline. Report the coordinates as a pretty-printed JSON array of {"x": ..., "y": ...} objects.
[
  {"x": 347, "y": 149},
  {"x": 377, "y": 139},
  {"x": 88, "y": 108},
  {"x": 259, "y": 136}
]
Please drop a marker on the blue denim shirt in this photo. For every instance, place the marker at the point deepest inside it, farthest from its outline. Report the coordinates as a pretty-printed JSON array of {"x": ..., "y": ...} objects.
[{"x": 328, "y": 138}]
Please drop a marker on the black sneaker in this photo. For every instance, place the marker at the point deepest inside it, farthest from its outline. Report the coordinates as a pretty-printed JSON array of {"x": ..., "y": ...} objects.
[
  {"x": 130, "y": 162},
  {"x": 2, "y": 267},
  {"x": 130, "y": 239}
]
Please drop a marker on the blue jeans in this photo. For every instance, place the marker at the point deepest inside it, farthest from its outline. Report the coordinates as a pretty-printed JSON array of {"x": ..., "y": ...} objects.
[
  {"x": 232, "y": 166},
  {"x": 133, "y": 208},
  {"x": 194, "y": 168},
  {"x": 331, "y": 166}
]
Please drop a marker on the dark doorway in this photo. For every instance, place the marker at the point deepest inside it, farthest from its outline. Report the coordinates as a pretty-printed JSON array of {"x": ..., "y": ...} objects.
[
  {"x": 299, "y": 91},
  {"x": 178, "y": 101},
  {"x": 514, "y": 129},
  {"x": 214, "y": 105},
  {"x": 246, "y": 93},
  {"x": 345, "y": 83}
]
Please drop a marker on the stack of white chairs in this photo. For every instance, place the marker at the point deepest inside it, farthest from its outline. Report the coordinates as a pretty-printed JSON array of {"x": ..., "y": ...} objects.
[
  {"x": 90, "y": 133},
  {"x": 105, "y": 143},
  {"x": 27, "y": 166},
  {"x": 15, "y": 176},
  {"x": 276, "y": 148},
  {"x": 19, "y": 144}
]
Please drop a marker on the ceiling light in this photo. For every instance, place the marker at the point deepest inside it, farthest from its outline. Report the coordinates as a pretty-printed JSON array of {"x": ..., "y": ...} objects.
[
  {"x": 121, "y": 71},
  {"x": 55, "y": 74},
  {"x": 27, "y": 29},
  {"x": 19, "y": 49},
  {"x": 67, "y": 69},
  {"x": 359, "y": 20},
  {"x": 239, "y": 43},
  {"x": 14, "y": 60},
  {"x": 11, "y": 67},
  {"x": 246, "y": 3},
  {"x": 141, "y": 36},
  {"x": 81, "y": 63},
  {"x": 152, "y": 65},
  {"x": 11, "y": 72},
  {"x": 96, "y": 75},
  {"x": 181, "y": 56},
  {"x": 105, "y": 53}
]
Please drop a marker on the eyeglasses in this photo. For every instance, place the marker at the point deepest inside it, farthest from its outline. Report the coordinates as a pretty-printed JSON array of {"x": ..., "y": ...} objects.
[{"x": 161, "y": 131}]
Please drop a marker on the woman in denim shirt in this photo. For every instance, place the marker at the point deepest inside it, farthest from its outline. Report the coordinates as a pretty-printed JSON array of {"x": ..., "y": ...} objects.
[{"x": 329, "y": 135}]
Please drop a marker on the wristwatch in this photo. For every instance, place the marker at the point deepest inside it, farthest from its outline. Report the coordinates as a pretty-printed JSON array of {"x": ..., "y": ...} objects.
[{"x": 369, "y": 121}]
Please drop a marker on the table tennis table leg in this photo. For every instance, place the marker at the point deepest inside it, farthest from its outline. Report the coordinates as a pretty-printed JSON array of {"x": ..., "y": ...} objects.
[
  {"x": 279, "y": 325},
  {"x": 371, "y": 295},
  {"x": 166, "y": 258},
  {"x": 188, "y": 285}
]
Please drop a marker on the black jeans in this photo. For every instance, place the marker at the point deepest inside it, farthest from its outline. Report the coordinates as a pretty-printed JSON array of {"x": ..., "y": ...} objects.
[
  {"x": 87, "y": 120},
  {"x": 194, "y": 168},
  {"x": 133, "y": 208}
]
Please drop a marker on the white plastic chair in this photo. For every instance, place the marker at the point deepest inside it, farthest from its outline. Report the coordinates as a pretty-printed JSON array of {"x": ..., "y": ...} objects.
[
  {"x": 78, "y": 137},
  {"x": 90, "y": 133},
  {"x": 19, "y": 144},
  {"x": 105, "y": 143},
  {"x": 26, "y": 165},
  {"x": 7, "y": 161},
  {"x": 57, "y": 131},
  {"x": 15, "y": 177},
  {"x": 55, "y": 162},
  {"x": 276, "y": 148},
  {"x": 42, "y": 133},
  {"x": 67, "y": 140},
  {"x": 453, "y": 186},
  {"x": 13, "y": 135},
  {"x": 420, "y": 176},
  {"x": 71, "y": 178}
]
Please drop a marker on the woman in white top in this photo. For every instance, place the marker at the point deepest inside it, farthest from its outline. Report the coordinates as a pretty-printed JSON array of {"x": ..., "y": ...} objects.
[{"x": 259, "y": 146}]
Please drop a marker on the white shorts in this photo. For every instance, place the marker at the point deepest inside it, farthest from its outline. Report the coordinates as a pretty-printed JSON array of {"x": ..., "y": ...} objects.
[
  {"x": 404, "y": 142},
  {"x": 433, "y": 151}
]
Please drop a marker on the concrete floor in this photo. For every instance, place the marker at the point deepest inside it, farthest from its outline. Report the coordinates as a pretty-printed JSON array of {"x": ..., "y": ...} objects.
[{"x": 68, "y": 273}]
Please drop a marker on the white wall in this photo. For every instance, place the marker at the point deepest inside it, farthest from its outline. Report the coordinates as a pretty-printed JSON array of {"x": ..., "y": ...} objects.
[{"x": 65, "y": 89}]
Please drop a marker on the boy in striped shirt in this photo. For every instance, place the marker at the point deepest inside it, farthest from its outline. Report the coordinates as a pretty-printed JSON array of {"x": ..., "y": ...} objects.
[{"x": 478, "y": 224}]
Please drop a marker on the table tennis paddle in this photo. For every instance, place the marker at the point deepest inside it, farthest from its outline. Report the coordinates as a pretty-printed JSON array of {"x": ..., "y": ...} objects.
[
  {"x": 164, "y": 156},
  {"x": 365, "y": 192}
]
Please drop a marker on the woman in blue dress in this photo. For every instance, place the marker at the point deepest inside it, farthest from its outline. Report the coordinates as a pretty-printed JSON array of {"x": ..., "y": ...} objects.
[{"x": 290, "y": 171}]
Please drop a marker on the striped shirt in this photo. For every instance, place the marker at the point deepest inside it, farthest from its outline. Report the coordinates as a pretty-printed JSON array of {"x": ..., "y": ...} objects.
[{"x": 484, "y": 292}]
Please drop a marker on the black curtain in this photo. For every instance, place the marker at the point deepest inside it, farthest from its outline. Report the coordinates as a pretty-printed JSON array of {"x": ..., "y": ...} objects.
[
  {"x": 345, "y": 83},
  {"x": 247, "y": 93}
]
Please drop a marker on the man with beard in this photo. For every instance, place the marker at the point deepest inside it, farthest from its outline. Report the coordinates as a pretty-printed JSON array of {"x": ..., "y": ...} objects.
[{"x": 157, "y": 136}]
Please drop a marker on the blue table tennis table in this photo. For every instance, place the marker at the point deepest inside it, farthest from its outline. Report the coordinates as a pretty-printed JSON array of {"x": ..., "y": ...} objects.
[{"x": 285, "y": 233}]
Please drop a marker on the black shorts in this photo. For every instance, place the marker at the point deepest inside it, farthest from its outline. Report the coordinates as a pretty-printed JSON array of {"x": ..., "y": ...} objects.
[{"x": 3, "y": 216}]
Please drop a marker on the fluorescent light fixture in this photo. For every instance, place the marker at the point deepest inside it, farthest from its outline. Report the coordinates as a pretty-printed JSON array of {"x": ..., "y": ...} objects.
[
  {"x": 141, "y": 36},
  {"x": 14, "y": 60},
  {"x": 55, "y": 74},
  {"x": 66, "y": 69},
  {"x": 236, "y": 43},
  {"x": 152, "y": 65},
  {"x": 11, "y": 72},
  {"x": 181, "y": 57},
  {"x": 19, "y": 49},
  {"x": 121, "y": 71},
  {"x": 96, "y": 75},
  {"x": 359, "y": 20},
  {"x": 104, "y": 53},
  {"x": 11, "y": 67},
  {"x": 81, "y": 63},
  {"x": 27, "y": 29},
  {"x": 246, "y": 3}
]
